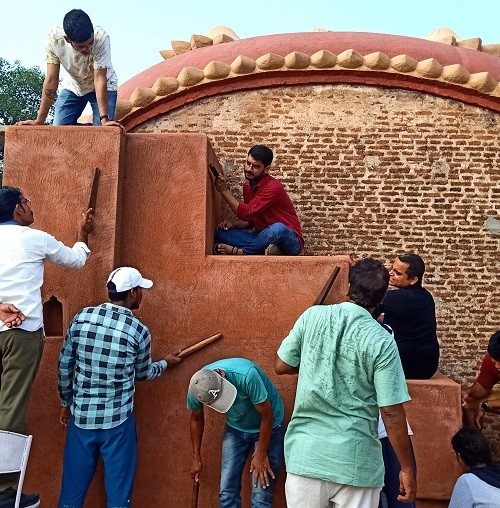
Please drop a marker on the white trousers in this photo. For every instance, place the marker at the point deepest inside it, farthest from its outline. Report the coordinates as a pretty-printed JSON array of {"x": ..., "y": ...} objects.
[{"x": 304, "y": 492}]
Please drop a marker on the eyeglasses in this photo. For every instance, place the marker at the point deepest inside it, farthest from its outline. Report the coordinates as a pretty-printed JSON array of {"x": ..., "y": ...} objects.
[
  {"x": 28, "y": 201},
  {"x": 254, "y": 166}
]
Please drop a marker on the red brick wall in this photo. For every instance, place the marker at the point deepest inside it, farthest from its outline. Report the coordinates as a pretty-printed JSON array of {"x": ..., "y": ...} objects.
[{"x": 378, "y": 171}]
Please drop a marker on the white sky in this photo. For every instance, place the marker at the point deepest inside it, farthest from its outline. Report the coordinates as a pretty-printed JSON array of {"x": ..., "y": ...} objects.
[{"x": 139, "y": 29}]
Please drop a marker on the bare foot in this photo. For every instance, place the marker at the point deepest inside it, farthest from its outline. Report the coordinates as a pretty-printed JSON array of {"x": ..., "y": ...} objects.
[{"x": 228, "y": 250}]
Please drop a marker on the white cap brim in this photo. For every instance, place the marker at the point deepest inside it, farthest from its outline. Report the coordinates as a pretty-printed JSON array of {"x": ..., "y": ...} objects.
[
  {"x": 226, "y": 397},
  {"x": 145, "y": 283}
]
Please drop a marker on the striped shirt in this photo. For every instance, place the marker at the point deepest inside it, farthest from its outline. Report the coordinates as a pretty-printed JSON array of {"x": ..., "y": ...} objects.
[{"x": 105, "y": 349}]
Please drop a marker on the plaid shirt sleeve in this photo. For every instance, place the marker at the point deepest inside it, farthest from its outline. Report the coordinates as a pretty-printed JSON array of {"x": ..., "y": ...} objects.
[
  {"x": 146, "y": 369},
  {"x": 67, "y": 360}
]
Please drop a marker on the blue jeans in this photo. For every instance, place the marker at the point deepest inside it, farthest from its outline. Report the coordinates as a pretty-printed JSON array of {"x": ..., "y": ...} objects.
[
  {"x": 236, "y": 446},
  {"x": 69, "y": 107},
  {"x": 118, "y": 449},
  {"x": 251, "y": 242}
]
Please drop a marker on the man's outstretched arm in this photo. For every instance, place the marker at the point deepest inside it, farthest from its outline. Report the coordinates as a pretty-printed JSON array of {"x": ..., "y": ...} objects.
[
  {"x": 221, "y": 187},
  {"x": 49, "y": 95}
]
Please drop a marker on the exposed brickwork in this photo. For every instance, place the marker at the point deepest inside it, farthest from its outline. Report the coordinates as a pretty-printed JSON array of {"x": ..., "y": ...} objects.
[{"x": 378, "y": 171}]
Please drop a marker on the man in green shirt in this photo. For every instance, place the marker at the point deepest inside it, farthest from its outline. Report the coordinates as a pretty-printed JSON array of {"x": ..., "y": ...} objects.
[{"x": 348, "y": 368}]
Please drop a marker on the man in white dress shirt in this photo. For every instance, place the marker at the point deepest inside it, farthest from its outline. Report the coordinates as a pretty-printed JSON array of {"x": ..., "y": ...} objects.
[{"x": 23, "y": 251}]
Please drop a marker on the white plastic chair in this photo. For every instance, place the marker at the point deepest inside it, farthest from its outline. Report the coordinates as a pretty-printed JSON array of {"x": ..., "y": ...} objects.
[{"x": 14, "y": 453}]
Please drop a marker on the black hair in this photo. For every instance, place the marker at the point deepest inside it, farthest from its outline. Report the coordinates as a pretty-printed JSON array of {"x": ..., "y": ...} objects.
[
  {"x": 114, "y": 295},
  {"x": 77, "y": 26},
  {"x": 262, "y": 153},
  {"x": 416, "y": 266},
  {"x": 368, "y": 280},
  {"x": 10, "y": 197},
  {"x": 472, "y": 446},
  {"x": 494, "y": 346}
]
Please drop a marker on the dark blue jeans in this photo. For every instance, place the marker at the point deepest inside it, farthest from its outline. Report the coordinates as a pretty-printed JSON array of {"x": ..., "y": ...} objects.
[
  {"x": 251, "y": 242},
  {"x": 236, "y": 446}
]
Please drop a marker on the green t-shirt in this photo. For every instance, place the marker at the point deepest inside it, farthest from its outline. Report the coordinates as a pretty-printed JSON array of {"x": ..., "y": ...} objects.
[
  {"x": 253, "y": 387},
  {"x": 348, "y": 367}
]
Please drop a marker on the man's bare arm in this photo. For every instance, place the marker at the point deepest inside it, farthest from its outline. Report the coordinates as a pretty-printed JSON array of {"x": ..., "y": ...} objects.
[
  {"x": 394, "y": 418},
  {"x": 101, "y": 93},
  {"x": 259, "y": 464},
  {"x": 221, "y": 187},
  {"x": 49, "y": 95},
  {"x": 280, "y": 367},
  {"x": 471, "y": 400},
  {"x": 197, "y": 426}
]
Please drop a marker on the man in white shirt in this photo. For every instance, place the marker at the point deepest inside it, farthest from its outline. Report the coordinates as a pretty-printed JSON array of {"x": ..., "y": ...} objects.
[
  {"x": 85, "y": 53},
  {"x": 23, "y": 251}
]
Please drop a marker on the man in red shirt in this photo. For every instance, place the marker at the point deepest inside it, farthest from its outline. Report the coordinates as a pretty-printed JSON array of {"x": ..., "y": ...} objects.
[
  {"x": 475, "y": 399},
  {"x": 267, "y": 221}
]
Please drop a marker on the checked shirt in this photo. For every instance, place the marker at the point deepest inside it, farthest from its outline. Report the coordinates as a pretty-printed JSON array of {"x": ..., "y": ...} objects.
[{"x": 105, "y": 349}]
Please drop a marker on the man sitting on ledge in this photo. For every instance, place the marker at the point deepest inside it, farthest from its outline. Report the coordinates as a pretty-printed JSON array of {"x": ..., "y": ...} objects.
[
  {"x": 268, "y": 223},
  {"x": 409, "y": 310}
]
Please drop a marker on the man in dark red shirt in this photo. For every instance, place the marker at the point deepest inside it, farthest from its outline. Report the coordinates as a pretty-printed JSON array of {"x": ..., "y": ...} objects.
[
  {"x": 267, "y": 221},
  {"x": 475, "y": 399}
]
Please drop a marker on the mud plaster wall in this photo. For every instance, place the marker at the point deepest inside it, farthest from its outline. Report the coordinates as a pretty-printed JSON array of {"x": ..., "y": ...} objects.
[
  {"x": 377, "y": 171},
  {"x": 158, "y": 195}
]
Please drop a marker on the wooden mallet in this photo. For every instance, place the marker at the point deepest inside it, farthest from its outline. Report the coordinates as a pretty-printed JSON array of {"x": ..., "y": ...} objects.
[
  {"x": 194, "y": 495},
  {"x": 198, "y": 345},
  {"x": 93, "y": 192},
  {"x": 326, "y": 288},
  {"x": 214, "y": 171}
]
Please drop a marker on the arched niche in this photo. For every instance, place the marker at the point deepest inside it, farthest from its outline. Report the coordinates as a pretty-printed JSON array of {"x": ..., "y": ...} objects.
[{"x": 53, "y": 317}]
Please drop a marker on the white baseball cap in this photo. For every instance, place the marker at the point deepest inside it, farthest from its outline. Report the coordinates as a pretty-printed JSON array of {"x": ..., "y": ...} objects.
[
  {"x": 126, "y": 278},
  {"x": 211, "y": 389}
]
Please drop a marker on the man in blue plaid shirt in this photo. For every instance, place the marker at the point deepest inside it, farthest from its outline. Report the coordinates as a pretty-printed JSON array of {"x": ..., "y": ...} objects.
[{"x": 105, "y": 349}]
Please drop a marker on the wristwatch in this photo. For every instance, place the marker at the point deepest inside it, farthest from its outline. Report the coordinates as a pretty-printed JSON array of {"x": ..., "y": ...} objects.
[
  {"x": 484, "y": 406},
  {"x": 102, "y": 117}
]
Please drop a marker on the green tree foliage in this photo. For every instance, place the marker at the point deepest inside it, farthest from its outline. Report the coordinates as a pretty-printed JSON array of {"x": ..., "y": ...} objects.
[{"x": 20, "y": 91}]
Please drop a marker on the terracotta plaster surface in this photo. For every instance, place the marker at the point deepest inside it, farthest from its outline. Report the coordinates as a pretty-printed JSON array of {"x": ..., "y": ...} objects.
[
  {"x": 156, "y": 210},
  {"x": 162, "y": 222},
  {"x": 252, "y": 300},
  {"x": 54, "y": 166},
  {"x": 434, "y": 414}
]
